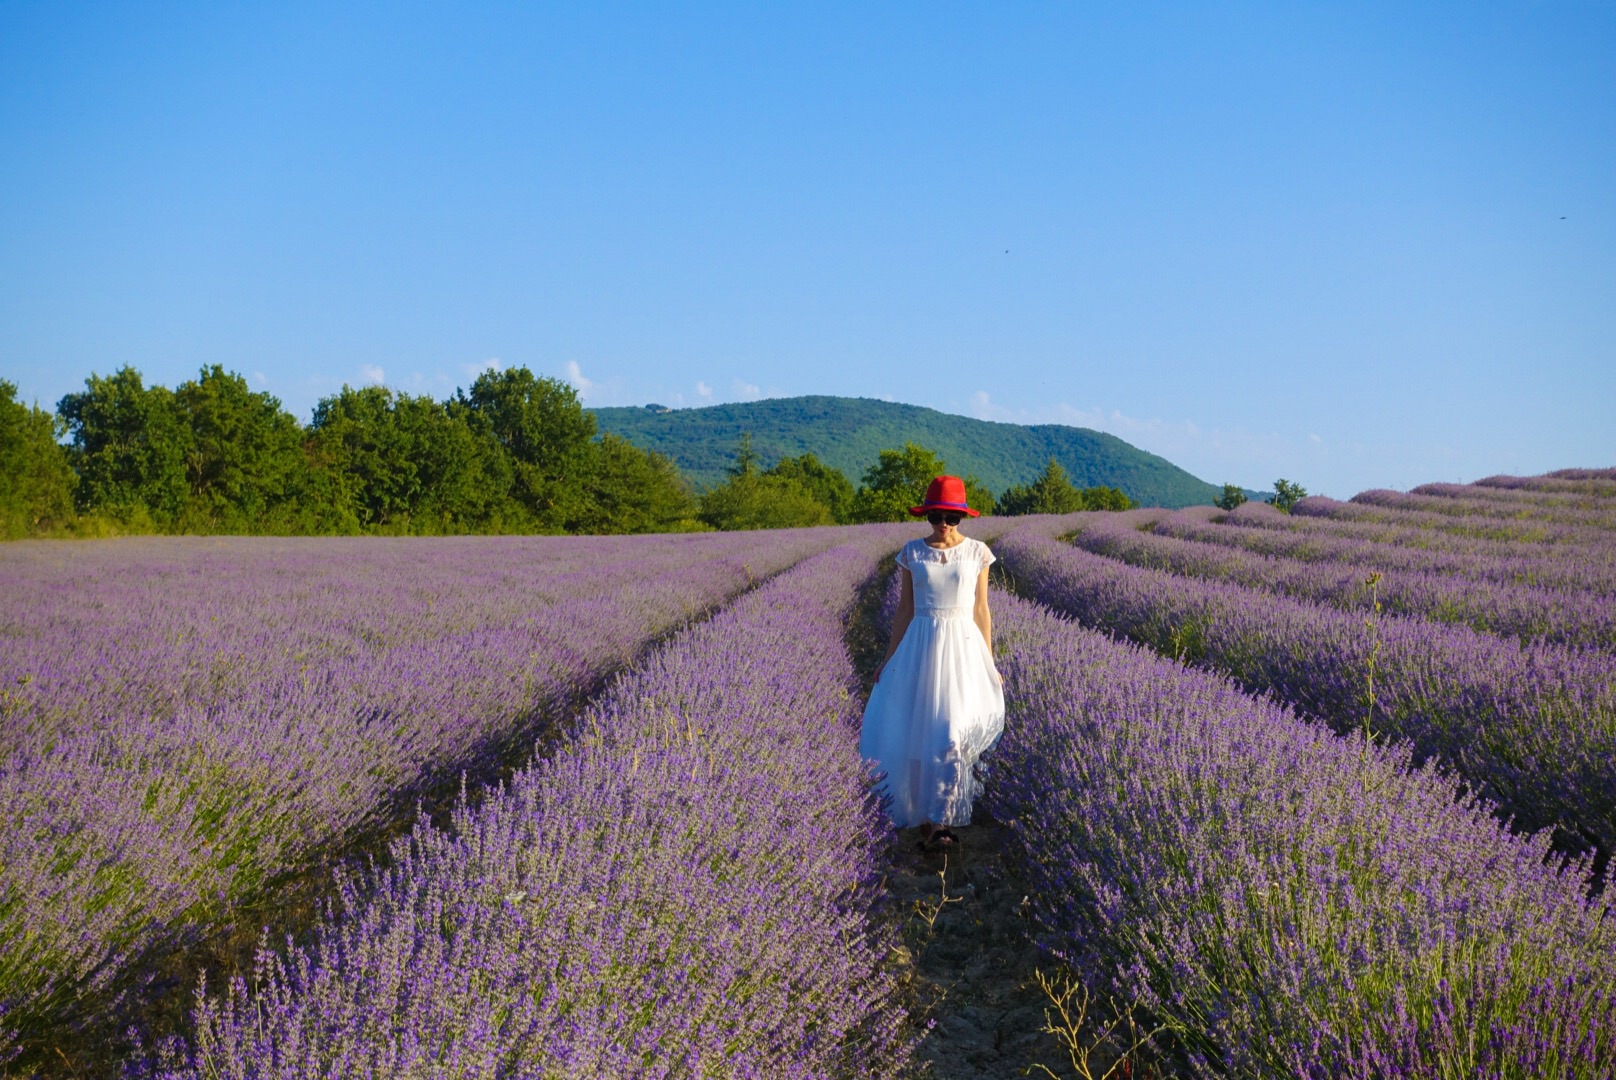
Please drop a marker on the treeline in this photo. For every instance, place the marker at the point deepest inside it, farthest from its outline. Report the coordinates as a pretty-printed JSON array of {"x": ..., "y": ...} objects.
[{"x": 514, "y": 453}]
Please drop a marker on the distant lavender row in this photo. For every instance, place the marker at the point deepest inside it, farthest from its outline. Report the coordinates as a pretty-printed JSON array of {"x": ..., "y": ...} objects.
[
  {"x": 1519, "y": 499},
  {"x": 1286, "y": 902},
  {"x": 1474, "y": 563},
  {"x": 1575, "y": 618},
  {"x": 683, "y": 891},
  {"x": 1465, "y": 504},
  {"x": 1582, "y": 474},
  {"x": 186, "y": 721},
  {"x": 1597, "y": 482},
  {"x": 1320, "y": 518},
  {"x": 1533, "y": 726},
  {"x": 1474, "y": 527}
]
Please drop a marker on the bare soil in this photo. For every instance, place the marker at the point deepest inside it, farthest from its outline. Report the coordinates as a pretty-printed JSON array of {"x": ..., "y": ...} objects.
[{"x": 970, "y": 959}]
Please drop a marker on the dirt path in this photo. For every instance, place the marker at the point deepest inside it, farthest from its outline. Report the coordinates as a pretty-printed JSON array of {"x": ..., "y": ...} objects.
[{"x": 971, "y": 961}]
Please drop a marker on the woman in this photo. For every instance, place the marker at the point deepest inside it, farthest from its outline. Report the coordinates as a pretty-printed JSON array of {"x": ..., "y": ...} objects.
[{"x": 938, "y": 702}]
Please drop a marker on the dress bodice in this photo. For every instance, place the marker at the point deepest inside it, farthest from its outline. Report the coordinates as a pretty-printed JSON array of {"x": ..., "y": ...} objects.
[{"x": 944, "y": 578}]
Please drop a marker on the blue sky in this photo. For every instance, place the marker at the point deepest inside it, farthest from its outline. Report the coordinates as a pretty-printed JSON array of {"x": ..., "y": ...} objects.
[{"x": 1364, "y": 245}]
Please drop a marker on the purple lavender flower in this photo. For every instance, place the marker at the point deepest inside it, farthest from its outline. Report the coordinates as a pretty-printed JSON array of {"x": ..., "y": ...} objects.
[
  {"x": 186, "y": 721},
  {"x": 684, "y": 889},
  {"x": 1286, "y": 902},
  {"x": 1569, "y": 616},
  {"x": 1532, "y": 727}
]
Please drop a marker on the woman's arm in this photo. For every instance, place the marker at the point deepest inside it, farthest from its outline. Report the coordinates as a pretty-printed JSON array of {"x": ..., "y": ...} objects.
[
  {"x": 983, "y": 617},
  {"x": 900, "y": 618}
]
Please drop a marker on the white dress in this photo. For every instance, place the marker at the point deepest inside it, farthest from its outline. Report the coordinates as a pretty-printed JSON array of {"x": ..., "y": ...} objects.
[{"x": 939, "y": 704}]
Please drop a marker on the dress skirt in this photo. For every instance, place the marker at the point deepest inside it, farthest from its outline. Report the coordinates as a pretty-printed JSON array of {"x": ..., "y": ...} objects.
[{"x": 937, "y": 709}]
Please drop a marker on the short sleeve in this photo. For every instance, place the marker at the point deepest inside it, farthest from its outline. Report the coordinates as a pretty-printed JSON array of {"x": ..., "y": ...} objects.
[
  {"x": 904, "y": 560},
  {"x": 986, "y": 554}
]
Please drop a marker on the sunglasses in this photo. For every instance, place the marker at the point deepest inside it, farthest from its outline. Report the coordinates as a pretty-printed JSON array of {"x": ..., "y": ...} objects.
[{"x": 937, "y": 517}]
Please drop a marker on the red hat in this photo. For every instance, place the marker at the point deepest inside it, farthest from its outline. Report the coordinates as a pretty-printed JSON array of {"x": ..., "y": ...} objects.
[{"x": 944, "y": 493}]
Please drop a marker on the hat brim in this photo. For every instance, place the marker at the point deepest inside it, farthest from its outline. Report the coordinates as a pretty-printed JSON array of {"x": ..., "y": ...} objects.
[{"x": 958, "y": 508}]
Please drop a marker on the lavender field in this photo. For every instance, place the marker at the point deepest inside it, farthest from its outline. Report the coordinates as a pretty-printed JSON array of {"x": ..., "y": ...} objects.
[
  {"x": 187, "y": 723},
  {"x": 1295, "y": 822}
]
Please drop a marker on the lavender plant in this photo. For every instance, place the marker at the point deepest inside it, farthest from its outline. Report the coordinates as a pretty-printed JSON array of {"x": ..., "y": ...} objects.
[
  {"x": 1320, "y": 516},
  {"x": 683, "y": 890},
  {"x": 1285, "y": 902},
  {"x": 1569, "y": 496},
  {"x": 1582, "y": 474},
  {"x": 1566, "y": 616},
  {"x": 1533, "y": 727},
  {"x": 1596, "y": 482},
  {"x": 1474, "y": 526},
  {"x": 187, "y": 722},
  {"x": 1455, "y": 501},
  {"x": 1560, "y": 570}
]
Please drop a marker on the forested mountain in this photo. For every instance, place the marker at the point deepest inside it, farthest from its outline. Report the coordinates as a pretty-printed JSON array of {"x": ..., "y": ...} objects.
[{"x": 849, "y": 433}]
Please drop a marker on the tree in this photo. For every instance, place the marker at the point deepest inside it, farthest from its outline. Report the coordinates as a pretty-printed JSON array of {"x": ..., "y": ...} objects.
[
  {"x": 829, "y": 485},
  {"x": 1233, "y": 495},
  {"x": 36, "y": 481},
  {"x": 753, "y": 500},
  {"x": 631, "y": 490},
  {"x": 1287, "y": 495},
  {"x": 894, "y": 483},
  {"x": 407, "y": 464},
  {"x": 898, "y": 480},
  {"x": 1051, "y": 493},
  {"x": 129, "y": 448},
  {"x": 1106, "y": 498},
  {"x": 1054, "y": 493},
  {"x": 244, "y": 465},
  {"x": 544, "y": 431}
]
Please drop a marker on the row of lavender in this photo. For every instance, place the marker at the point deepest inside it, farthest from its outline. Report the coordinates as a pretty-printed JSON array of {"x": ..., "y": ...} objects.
[
  {"x": 1568, "y": 616},
  {"x": 1284, "y": 901},
  {"x": 1572, "y": 481},
  {"x": 1532, "y": 727},
  {"x": 1317, "y": 517},
  {"x": 684, "y": 890},
  {"x": 1466, "y": 501},
  {"x": 186, "y": 723},
  {"x": 1259, "y": 528},
  {"x": 1446, "y": 516},
  {"x": 1526, "y": 492}
]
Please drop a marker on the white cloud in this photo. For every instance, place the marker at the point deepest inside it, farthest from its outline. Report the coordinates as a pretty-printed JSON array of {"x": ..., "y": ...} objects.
[
  {"x": 260, "y": 378},
  {"x": 575, "y": 375},
  {"x": 703, "y": 390},
  {"x": 746, "y": 389},
  {"x": 983, "y": 408},
  {"x": 373, "y": 373},
  {"x": 493, "y": 363}
]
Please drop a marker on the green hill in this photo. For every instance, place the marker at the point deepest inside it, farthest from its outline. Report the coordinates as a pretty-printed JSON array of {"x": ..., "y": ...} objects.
[{"x": 849, "y": 432}]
